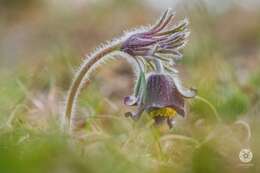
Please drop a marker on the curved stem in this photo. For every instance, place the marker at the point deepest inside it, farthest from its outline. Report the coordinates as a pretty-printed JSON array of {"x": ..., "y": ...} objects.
[
  {"x": 211, "y": 107},
  {"x": 247, "y": 127},
  {"x": 79, "y": 78}
]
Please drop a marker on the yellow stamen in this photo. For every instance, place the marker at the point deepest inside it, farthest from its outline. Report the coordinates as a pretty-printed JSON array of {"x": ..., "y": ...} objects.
[{"x": 164, "y": 112}]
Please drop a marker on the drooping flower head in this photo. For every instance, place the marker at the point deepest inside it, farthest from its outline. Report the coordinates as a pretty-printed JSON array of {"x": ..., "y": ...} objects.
[
  {"x": 162, "y": 97},
  {"x": 158, "y": 89}
]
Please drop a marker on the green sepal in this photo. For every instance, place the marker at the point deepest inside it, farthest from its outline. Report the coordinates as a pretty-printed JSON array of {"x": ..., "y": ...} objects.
[{"x": 140, "y": 85}]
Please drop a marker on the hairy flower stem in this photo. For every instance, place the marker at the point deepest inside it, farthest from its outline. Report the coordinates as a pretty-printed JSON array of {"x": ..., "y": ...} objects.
[{"x": 77, "y": 83}]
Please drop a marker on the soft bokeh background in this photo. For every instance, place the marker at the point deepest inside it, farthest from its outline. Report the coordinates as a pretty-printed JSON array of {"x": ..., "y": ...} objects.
[{"x": 44, "y": 41}]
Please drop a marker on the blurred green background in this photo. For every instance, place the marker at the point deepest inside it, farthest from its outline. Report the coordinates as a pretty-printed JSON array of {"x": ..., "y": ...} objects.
[{"x": 44, "y": 41}]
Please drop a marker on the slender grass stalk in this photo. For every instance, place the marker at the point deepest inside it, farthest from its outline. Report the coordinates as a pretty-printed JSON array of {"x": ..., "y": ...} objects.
[
  {"x": 247, "y": 127},
  {"x": 14, "y": 113},
  {"x": 179, "y": 137},
  {"x": 78, "y": 81},
  {"x": 156, "y": 136},
  {"x": 211, "y": 107}
]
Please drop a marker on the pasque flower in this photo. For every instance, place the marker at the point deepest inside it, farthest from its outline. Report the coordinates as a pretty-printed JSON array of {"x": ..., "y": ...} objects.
[
  {"x": 158, "y": 89},
  {"x": 162, "y": 97},
  {"x": 153, "y": 51}
]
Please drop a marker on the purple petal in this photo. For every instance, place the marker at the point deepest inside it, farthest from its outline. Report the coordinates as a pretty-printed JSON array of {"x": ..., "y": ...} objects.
[
  {"x": 182, "y": 26},
  {"x": 163, "y": 22},
  {"x": 130, "y": 100},
  {"x": 161, "y": 92}
]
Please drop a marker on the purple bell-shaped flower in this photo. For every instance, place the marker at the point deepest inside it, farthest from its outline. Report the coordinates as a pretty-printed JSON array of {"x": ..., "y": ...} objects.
[{"x": 162, "y": 97}]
